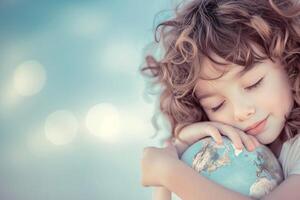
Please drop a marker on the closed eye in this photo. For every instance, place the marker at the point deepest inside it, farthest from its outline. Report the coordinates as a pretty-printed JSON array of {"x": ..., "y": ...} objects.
[
  {"x": 255, "y": 84},
  {"x": 214, "y": 109}
]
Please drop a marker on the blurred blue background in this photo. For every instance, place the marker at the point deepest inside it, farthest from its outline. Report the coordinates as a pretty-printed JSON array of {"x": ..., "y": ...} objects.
[{"x": 72, "y": 113}]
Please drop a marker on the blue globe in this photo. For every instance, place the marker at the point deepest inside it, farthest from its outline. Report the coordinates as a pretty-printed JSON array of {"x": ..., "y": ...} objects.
[{"x": 253, "y": 173}]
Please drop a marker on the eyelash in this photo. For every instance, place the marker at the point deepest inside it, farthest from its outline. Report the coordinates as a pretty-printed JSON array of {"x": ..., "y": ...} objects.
[{"x": 255, "y": 85}]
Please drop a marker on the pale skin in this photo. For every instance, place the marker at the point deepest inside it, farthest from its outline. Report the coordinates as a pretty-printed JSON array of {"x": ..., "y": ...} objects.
[{"x": 162, "y": 168}]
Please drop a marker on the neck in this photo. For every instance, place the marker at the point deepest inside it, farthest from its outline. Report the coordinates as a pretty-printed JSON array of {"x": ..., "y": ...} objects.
[
  {"x": 275, "y": 147},
  {"x": 277, "y": 144}
]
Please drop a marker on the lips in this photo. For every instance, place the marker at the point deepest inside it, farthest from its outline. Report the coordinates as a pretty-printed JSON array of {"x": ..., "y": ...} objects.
[{"x": 256, "y": 127}]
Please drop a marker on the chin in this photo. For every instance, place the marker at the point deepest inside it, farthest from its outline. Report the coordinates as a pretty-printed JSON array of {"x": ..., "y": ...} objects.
[
  {"x": 266, "y": 141},
  {"x": 270, "y": 135}
]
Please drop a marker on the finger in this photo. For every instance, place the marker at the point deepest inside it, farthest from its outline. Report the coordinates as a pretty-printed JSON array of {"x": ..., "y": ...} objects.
[
  {"x": 170, "y": 147},
  {"x": 248, "y": 141},
  {"x": 255, "y": 141},
  {"x": 180, "y": 146},
  {"x": 233, "y": 135},
  {"x": 214, "y": 133}
]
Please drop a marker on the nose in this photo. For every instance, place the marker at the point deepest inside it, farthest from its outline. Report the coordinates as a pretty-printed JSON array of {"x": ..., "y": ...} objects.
[
  {"x": 243, "y": 116},
  {"x": 243, "y": 111}
]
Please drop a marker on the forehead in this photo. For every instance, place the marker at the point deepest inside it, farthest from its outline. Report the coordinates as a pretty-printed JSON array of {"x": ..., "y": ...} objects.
[
  {"x": 221, "y": 74},
  {"x": 225, "y": 71},
  {"x": 210, "y": 69}
]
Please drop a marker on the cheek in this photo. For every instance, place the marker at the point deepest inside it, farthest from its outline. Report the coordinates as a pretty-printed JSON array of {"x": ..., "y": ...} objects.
[
  {"x": 223, "y": 117},
  {"x": 276, "y": 97}
]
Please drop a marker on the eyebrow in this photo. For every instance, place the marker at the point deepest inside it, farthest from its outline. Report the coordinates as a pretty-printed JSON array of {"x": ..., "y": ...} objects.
[{"x": 240, "y": 74}]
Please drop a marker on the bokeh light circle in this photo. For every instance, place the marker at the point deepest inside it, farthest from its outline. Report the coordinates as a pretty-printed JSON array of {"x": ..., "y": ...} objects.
[
  {"x": 103, "y": 120},
  {"x": 61, "y": 127},
  {"x": 29, "y": 78}
]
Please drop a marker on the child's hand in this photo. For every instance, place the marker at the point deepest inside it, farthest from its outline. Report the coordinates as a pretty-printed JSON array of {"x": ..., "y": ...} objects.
[
  {"x": 194, "y": 132},
  {"x": 155, "y": 164}
]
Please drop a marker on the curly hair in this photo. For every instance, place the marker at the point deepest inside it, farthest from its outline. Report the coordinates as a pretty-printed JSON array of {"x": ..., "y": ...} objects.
[{"x": 227, "y": 28}]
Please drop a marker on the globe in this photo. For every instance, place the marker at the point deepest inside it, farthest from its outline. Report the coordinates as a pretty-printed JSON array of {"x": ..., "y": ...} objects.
[{"x": 253, "y": 173}]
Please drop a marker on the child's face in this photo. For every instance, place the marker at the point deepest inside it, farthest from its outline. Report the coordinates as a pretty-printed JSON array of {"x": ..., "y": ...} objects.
[{"x": 261, "y": 93}]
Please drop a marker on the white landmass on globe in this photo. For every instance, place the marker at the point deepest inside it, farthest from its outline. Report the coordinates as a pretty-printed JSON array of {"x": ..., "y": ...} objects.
[
  {"x": 261, "y": 187},
  {"x": 206, "y": 159},
  {"x": 236, "y": 151}
]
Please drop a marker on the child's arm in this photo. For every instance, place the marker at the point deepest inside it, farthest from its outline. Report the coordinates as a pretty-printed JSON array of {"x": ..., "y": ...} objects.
[
  {"x": 189, "y": 185},
  {"x": 288, "y": 189},
  {"x": 161, "y": 193}
]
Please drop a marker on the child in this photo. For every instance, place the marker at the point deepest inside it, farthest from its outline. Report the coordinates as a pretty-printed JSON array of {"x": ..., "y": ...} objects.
[{"x": 230, "y": 67}]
